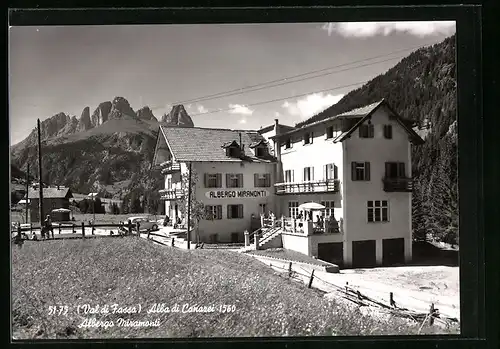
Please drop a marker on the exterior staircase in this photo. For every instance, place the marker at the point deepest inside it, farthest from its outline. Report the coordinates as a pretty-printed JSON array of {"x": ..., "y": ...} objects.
[{"x": 268, "y": 235}]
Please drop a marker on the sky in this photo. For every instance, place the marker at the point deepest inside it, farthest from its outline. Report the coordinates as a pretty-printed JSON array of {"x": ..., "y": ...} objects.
[{"x": 55, "y": 69}]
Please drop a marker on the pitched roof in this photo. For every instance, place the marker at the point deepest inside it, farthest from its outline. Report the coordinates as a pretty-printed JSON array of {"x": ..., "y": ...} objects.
[
  {"x": 285, "y": 128},
  {"x": 206, "y": 144},
  {"x": 50, "y": 193},
  {"x": 361, "y": 113}
]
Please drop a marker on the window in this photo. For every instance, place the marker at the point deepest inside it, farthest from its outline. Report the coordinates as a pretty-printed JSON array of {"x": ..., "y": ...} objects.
[
  {"x": 308, "y": 138},
  {"x": 293, "y": 209},
  {"x": 234, "y": 180},
  {"x": 288, "y": 143},
  {"x": 169, "y": 183},
  {"x": 53, "y": 204},
  {"x": 234, "y": 211},
  {"x": 329, "y": 132},
  {"x": 378, "y": 211},
  {"x": 331, "y": 171},
  {"x": 366, "y": 131},
  {"x": 262, "y": 180},
  {"x": 360, "y": 171},
  {"x": 262, "y": 208},
  {"x": 233, "y": 152},
  {"x": 308, "y": 174},
  {"x": 395, "y": 169},
  {"x": 213, "y": 180},
  {"x": 388, "y": 131},
  {"x": 332, "y": 131},
  {"x": 213, "y": 212},
  {"x": 289, "y": 176},
  {"x": 329, "y": 206},
  {"x": 261, "y": 151}
]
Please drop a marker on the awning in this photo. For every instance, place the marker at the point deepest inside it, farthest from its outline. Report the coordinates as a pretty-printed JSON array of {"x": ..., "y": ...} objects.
[{"x": 61, "y": 210}]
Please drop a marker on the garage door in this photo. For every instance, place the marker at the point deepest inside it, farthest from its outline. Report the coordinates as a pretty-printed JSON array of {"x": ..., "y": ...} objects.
[
  {"x": 363, "y": 254},
  {"x": 332, "y": 252},
  {"x": 393, "y": 251}
]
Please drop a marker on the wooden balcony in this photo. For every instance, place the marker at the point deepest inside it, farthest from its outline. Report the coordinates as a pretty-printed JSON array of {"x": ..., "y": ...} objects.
[
  {"x": 170, "y": 194},
  {"x": 307, "y": 187},
  {"x": 170, "y": 167},
  {"x": 400, "y": 184}
]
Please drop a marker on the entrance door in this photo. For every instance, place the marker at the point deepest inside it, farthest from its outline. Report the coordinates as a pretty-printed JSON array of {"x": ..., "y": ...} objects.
[
  {"x": 176, "y": 211},
  {"x": 262, "y": 208},
  {"x": 332, "y": 252}
]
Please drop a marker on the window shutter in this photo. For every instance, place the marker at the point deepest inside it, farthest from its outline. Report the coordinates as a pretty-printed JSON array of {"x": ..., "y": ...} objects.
[
  {"x": 228, "y": 211},
  {"x": 255, "y": 180},
  {"x": 228, "y": 181},
  {"x": 353, "y": 171},
  {"x": 206, "y": 180},
  {"x": 325, "y": 172},
  {"x": 387, "y": 169},
  {"x": 219, "y": 211},
  {"x": 312, "y": 174},
  {"x": 219, "y": 180},
  {"x": 268, "y": 179},
  {"x": 401, "y": 170},
  {"x": 292, "y": 176},
  {"x": 371, "y": 131},
  {"x": 335, "y": 172},
  {"x": 304, "y": 174},
  {"x": 240, "y": 180},
  {"x": 367, "y": 171},
  {"x": 240, "y": 211}
]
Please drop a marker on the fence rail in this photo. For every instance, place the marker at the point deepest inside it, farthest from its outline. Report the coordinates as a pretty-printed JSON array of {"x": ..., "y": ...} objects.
[{"x": 122, "y": 229}]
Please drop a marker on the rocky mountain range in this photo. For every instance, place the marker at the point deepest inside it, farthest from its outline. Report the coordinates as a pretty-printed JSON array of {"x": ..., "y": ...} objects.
[{"x": 109, "y": 150}]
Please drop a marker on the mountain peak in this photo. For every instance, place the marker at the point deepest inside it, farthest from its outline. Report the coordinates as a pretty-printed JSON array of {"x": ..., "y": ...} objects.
[
  {"x": 120, "y": 107},
  {"x": 145, "y": 113},
  {"x": 178, "y": 116}
]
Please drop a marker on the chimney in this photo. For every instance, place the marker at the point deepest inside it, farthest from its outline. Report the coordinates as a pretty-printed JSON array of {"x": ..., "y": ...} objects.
[{"x": 276, "y": 123}]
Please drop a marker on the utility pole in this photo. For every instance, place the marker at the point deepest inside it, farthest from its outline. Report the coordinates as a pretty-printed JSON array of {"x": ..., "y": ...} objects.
[
  {"x": 40, "y": 206},
  {"x": 189, "y": 208},
  {"x": 27, "y": 190}
]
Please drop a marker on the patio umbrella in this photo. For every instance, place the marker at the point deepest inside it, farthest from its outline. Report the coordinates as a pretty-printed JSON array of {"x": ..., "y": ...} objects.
[
  {"x": 61, "y": 210},
  {"x": 311, "y": 206}
]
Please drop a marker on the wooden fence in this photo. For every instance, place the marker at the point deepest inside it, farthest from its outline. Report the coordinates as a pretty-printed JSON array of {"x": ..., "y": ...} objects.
[{"x": 58, "y": 229}]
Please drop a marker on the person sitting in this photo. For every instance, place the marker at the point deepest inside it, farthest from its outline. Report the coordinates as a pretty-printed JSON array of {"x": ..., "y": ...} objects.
[{"x": 166, "y": 220}]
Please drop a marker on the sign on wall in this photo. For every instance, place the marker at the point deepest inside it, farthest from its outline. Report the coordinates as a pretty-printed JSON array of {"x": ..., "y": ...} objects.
[{"x": 239, "y": 194}]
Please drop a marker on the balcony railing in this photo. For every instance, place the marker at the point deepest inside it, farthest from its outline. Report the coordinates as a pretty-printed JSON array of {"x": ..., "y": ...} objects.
[
  {"x": 170, "y": 194},
  {"x": 399, "y": 184},
  {"x": 321, "y": 186},
  {"x": 170, "y": 167}
]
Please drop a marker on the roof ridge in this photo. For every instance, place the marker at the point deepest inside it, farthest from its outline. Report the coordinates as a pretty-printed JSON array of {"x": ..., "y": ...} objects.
[{"x": 208, "y": 128}]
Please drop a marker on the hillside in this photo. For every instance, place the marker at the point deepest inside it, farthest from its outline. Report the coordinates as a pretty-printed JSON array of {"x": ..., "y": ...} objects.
[
  {"x": 422, "y": 88},
  {"x": 113, "y": 145}
]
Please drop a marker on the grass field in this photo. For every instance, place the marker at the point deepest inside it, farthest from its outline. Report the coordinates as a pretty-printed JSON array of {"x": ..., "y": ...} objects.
[{"x": 132, "y": 272}]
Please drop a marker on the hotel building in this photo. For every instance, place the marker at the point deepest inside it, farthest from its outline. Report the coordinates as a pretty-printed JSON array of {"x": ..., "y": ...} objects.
[{"x": 356, "y": 164}]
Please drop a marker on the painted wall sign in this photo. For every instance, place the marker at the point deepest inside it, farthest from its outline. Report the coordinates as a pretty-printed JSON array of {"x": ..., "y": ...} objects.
[{"x": 238, "y": 194}]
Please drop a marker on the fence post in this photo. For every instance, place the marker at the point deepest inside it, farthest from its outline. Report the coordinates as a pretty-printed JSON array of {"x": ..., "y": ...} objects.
[
  {"x": 261, "y": 220},
  {"x": 138, "y": 229},
  {"x": 92, "y": 225},
  {"x": 172, "y": 242},
  {"x": 256, "y": 238},
  {"x": 31, "y": 228},
  {"x": 311, "y": 279},
  {"x": 290, "y": 269},
  {"x": 247, "y": 238},
  {"x": 149, "y": 232},
  {"x": 130, "y": 227},
  {"x": 83, "y": 230},
  {"x": 72, "y": 228},
  {"x": 431, "y": 315},
  {"x": 59, "y": 228},
  {"x": 391, "y": 300}
]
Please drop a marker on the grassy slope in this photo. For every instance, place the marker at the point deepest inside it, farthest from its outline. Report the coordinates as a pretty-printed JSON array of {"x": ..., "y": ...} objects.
[{"x": 130, "y": 271}]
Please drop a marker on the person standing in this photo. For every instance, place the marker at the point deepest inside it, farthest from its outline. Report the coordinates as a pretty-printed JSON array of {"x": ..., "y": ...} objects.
[{"x": 48, "y": 226}]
